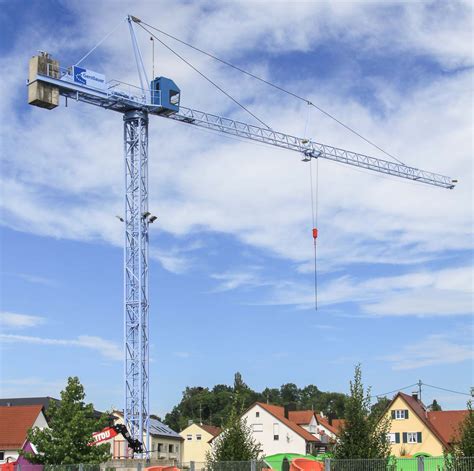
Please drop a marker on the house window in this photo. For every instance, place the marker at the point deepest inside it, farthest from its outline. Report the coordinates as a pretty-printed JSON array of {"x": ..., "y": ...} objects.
[
  {"x": 312, "y": 428},
  {"x": 394, "y": 437},
  {"x": 400, "y": 414},
  {"x": 160, "y": 447},
  {"x": 257, "y": 427},
  {"x": 412, "y": 437},
  {"x": 189, "y": 437},
  {"x": 276, "y": 433},
  {"x": 257, "y": 414},
  {"x": 170, "y": 449},
  {"x": 2, "y": 455},
  {"x": 198, "y": 437}
]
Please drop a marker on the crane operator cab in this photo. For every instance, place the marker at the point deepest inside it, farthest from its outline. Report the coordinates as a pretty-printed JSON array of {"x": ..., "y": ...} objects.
[{"x": 165, "y": 94}]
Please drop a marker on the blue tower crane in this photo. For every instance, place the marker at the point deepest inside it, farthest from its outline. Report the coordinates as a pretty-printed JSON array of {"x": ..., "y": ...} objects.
[{"x": 161, "y": 97}]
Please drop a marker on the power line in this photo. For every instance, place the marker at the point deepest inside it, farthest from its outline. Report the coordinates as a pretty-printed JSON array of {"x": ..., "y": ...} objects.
[
  {"x": 288, "y": 92},
  {"x": 205, "y": 77},
  {"x": 391, "y": 392},
  {"x": 448, "y": 390}
]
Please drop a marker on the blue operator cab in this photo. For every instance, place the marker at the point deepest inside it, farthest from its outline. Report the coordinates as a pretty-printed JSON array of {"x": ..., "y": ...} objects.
[{"x": 165, "y": 94}]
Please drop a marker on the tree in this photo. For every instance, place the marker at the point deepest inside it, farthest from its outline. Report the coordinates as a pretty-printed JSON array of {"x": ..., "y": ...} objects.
[
  {"x": 466, "y": 433},
  {"x": 235, "y": 443},
  {"x": 363, "y": 435},
  {"x": 71, "y": 425},
  {"x": 434, "y": 406},
  {"x": 379, "y": 408}
]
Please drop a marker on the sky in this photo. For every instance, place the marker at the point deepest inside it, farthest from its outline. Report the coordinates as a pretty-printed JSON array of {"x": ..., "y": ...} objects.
[{"x": 231, "y": 270}]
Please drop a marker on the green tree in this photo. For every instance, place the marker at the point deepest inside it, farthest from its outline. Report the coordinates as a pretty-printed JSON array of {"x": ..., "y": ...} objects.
[
  {"x": 289, "y": 393},
  {"x": 71, "y": 425},
  {"x": 466, "y": 433},
  {"x": 380, "y": 407},
  {"x": 363, "y": 434},
  {"x": 434, "y": 406},
  {"x": 235, "y": 443},
  {"x": 463, "y": 444}
]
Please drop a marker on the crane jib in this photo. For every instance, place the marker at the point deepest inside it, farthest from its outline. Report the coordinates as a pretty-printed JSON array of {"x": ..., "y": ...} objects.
[{"x": 122, "y": 101}]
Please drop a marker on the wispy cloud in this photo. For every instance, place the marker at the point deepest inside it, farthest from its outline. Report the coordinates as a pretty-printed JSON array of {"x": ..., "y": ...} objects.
[
  {"x": 19, "y": 321},
  {"x": 35, "y": 279},
  {"x": 420, "y": 293},
  {"x": 30, "y": 386},
  {"x": 182, "y": 354},
  {"x": 231, "y": 280},
  {"x": 437, "y": 349},
  {"x": 106, "y": 348}
]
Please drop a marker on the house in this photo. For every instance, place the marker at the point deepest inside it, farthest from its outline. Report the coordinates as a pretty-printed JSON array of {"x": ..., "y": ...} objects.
[
  {"x": 44, "y": 401},
  {"x": 415, "y": 430},
  {"x": 165, "y": 443},
  {"x": 276, "y": 433},
  {"x": 325, "y": 430},
  {"x": 197, "y": 438},
  {"x": 15, "y": 421}
]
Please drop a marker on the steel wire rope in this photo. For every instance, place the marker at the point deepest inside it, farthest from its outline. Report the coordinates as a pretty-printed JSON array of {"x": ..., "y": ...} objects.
[
  {"x": 99, "y": 43},
  {"x": 205, "y": 77},
  {"x": 395, "y": 390},
  {"x": 447, "y": 390},
  {"x": 267, "y": 82},
  {"x": 314, "y": 212}
]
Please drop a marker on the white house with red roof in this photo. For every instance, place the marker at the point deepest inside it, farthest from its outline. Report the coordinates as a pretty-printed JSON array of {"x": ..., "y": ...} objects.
[
  {"x": 274, "y": 430},
  {"x": 324, "y": 429},
  {"x": 15, "y": 421}
]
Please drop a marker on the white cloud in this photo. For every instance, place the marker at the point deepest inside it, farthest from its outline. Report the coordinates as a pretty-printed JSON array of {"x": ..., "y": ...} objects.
[
  {"x": 19, "y": 321},
  {"x": 431, "y": 351},
  {"x": 201, "y": 182},
  {"x": 420, "y": 293},
  {"x": 106, "y": 348}
]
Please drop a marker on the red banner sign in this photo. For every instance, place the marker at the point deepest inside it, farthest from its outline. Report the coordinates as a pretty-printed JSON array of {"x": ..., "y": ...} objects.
[{"x": 105, "y": 434}]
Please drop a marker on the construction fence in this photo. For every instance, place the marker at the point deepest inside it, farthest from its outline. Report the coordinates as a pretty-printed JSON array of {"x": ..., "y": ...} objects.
[{"x": 328, "y": 464}]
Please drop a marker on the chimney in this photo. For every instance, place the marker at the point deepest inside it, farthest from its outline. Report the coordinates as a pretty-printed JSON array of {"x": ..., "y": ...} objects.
[
  {"x": 289, "y": 408},
  {"x": 414, "y": 395}
]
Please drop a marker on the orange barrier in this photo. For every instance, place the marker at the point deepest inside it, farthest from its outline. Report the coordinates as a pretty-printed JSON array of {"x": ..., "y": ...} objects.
[
  {"x": 162, "y": 468},
  {"x": 303, "y": 464}
]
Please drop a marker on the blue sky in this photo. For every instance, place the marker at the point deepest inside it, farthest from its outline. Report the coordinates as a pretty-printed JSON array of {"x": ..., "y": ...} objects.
[{"x": 231, "y": 253}]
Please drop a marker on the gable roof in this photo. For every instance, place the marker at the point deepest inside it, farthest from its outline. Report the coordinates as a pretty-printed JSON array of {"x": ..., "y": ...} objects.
[
  {"x": 447, "y": 423},
  {"x": 14, "y": 424},
  {"x": 301, "y": 417},
  {"x": 335, "y": 427},
  {"x": 214, "y": 431},
  {"x": 420, "y": 411},
  {"x": 279, "y": 413}
]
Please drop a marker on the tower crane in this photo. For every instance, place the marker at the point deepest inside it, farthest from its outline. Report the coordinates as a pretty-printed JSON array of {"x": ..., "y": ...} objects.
[{"x": 161, "y": 97}]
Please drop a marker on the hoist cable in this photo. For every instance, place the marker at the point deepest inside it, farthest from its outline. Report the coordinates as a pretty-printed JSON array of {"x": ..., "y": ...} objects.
[
  {"x": 205, "y": 77},
  {"x": 314, "y": 213},
  {"x": 98, "y": 44},
  {"x": 288, "y": 92}
]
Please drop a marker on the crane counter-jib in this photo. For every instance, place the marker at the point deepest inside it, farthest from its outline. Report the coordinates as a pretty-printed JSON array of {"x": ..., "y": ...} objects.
[{"x": 121, "y": 97}]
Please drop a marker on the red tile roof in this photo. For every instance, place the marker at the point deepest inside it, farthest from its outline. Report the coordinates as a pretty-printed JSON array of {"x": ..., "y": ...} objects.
[
  {"x": 442, "y": 424},
  {"x": 279, "y": 413},
  {"x": 447, "y": 423},
  {"x": 214, "y": 431},
  {"x": 335, "y": 427},
  {"x": 301, "y": 417},
  {"x": 14, "y": 424}
]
